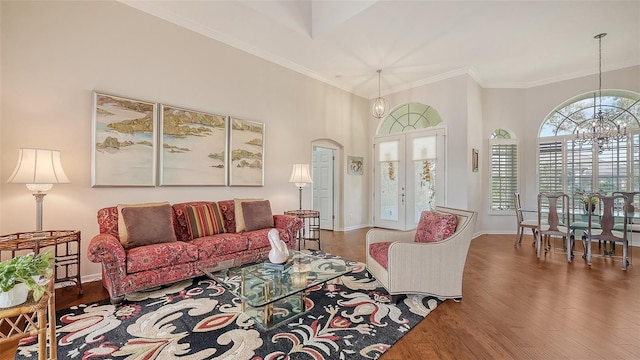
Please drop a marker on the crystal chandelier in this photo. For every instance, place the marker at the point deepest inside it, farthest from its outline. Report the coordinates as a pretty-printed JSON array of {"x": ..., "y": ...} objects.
[
  {"x": 380, "y": 105},
  {"x": 600, "y": 131}
]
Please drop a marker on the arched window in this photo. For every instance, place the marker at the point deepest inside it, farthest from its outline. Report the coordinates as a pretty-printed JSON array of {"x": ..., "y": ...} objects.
[
  {"x": 409, "y": 117},
  {"x": 504, "y": 170},
  {"x": 570, "y": 166},
  {"x": 575, "y": 114}
]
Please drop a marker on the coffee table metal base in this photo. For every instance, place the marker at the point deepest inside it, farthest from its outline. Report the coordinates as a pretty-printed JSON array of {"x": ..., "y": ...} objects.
[{"x": 275, "y": 313}]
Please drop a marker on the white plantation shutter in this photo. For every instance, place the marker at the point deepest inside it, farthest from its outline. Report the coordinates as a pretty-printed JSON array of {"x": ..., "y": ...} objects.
[
  {"x": 504, "y": 173},
  {"x": 550, "y": 166}
]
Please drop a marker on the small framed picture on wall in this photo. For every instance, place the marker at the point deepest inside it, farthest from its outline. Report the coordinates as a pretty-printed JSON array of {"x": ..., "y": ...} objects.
[
  {"x": 355, "y": 165},
  {"x": 474, "y": 160}
]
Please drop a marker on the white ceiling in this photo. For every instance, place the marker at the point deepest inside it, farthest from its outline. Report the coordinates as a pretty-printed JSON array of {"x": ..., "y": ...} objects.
[{"x": 515, "y": 44}]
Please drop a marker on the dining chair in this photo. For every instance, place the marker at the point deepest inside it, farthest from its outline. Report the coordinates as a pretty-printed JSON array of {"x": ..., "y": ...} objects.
[
  {"x": 558, "y": 221},
  {"x": 606, "y": 231},
  {"x": 629, "y": 200},
  {"x": 522, "y": 222}
]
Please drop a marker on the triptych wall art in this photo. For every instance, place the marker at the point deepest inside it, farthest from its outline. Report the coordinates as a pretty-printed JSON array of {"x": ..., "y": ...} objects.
[{"x": 137, "y": 143}]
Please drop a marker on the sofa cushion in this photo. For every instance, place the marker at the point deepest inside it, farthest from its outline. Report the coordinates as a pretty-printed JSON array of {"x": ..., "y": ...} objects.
[
  {"x": 380, "y": 253},
  {"x": 156, "y": 256},
  {"x": 240, "y": 225},
  {"x": 204, "y": 220},
  {"x": 432, "y": 224},
  {"x": 257, "y": 215},
  {"x": 220, "y": 244},
  {"x": 145, "y": 224}
]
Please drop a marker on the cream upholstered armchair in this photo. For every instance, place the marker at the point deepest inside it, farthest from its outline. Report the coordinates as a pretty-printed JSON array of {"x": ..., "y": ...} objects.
[{"x": 429, "y": 268}]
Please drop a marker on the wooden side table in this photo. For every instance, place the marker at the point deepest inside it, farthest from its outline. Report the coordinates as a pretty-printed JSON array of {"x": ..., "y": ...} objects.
[
  {"x": 66, "y": 246},
  {"x": 29, "y": 319},
  {"x": 310, "y": 222}
]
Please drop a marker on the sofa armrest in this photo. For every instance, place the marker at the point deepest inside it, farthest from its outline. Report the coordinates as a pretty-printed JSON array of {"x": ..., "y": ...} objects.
[
  {"x": 106, "y": 249},
  {"x": 288, "y": 222}
]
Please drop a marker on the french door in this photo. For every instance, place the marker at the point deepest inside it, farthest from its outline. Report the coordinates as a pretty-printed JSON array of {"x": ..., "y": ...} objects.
[{"x": 409, "y": 177}]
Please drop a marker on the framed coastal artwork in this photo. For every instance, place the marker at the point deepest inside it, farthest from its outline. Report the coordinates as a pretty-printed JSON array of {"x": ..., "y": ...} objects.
[
  {"x": 193, "y": 147},
  {"x": 124, "y": 141},
  {"x": 246, "y": 151}
]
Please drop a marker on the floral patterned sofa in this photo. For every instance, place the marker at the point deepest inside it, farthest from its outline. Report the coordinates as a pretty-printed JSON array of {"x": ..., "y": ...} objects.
[{"x": 126, "y": 269}]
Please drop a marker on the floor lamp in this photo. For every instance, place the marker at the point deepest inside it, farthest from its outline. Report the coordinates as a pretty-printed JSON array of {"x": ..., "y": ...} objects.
[
  {"x": 301, "y": 177},
  {"x": 39, "y": 169}
]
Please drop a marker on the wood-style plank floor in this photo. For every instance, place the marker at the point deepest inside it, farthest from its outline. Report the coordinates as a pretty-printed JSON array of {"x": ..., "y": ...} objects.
[{"x": 514, "y": 306}]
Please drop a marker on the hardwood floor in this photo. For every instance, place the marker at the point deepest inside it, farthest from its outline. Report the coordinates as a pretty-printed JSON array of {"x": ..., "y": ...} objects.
[{"x": 514, "y": 306}]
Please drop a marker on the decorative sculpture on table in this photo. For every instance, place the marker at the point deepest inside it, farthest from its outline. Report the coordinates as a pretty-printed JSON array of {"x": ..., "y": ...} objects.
[{"x": 279, "y": 252}]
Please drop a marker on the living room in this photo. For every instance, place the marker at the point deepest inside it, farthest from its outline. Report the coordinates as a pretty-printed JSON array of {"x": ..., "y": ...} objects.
[{"x": 55, "y": 54}]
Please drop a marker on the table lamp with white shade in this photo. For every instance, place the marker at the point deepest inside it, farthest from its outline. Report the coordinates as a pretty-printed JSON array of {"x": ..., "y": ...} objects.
[
  {"x": 39, "y": 169},
  {"x": 301, "y": 177}
]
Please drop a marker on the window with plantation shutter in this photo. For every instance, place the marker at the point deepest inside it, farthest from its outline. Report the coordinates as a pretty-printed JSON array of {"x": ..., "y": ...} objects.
[
  {"x": 504, "y": 171},
  {"x": 575, "y": 167},
  {"x": 550, "y": 166},
  {"x": 635, "y": 162}
]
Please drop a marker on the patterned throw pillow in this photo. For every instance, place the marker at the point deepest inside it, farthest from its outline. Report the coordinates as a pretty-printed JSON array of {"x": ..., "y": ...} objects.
[
  {"x": 204, "y": 220},
  {"x": 257, "y": 215},
  {"x": 432, "y": 224}
]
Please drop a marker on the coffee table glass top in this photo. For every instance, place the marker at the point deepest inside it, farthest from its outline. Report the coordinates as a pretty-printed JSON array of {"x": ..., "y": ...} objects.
[{"x": 258, "y": 285}]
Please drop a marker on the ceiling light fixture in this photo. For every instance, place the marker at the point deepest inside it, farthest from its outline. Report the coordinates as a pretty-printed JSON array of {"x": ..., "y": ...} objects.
[
  {"x": 380, "y": 105},
  {"x": 600, "y": 131}
]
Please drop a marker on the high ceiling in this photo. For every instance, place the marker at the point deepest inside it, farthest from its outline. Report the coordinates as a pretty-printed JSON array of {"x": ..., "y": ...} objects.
[{"x": 514, "y": 44}]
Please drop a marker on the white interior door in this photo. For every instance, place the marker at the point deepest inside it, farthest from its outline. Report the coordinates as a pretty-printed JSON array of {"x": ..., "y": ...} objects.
[
  {"x": 323, "y": 185},
  {"x": 409, "y": 177}
]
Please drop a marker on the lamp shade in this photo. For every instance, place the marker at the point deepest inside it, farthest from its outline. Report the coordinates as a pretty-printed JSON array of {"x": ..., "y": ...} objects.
[
  {"x": 300, "y": 175},
  {"x": 38, "y": 166}
]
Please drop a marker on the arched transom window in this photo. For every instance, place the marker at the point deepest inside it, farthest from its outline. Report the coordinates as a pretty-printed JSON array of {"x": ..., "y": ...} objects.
[
  {"x": 575, "y": 114},
  {"x": 409, "y": 117}
]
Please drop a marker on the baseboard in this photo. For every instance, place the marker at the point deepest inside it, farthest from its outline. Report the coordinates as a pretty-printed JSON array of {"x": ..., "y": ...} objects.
[{"x": 355, "y": 227}]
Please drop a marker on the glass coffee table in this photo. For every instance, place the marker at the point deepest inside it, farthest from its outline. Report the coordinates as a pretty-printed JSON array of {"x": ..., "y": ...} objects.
[{"x": 271, "y": 296}]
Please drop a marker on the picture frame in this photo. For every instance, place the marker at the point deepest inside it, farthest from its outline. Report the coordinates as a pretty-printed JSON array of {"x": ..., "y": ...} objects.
[
  {"x": 193, "y": 147},
  {"x": 124, "y": 141},
  {"x": 474, "y": 160},
  {"x": 246, "y": 152},
  {"x": 355, "y": 165}
]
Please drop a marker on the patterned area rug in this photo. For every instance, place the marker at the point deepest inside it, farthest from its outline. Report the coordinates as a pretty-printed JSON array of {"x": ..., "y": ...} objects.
[{"x": 351, "y": 317}]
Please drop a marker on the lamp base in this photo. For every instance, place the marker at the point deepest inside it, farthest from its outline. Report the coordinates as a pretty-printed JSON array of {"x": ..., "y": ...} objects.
[{"x": 39, "y": 200}]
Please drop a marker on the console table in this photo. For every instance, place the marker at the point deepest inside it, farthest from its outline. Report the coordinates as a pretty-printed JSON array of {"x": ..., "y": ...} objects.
[
  {"x": 310, "y": 221},
  {"x": 65, "y": 244}
]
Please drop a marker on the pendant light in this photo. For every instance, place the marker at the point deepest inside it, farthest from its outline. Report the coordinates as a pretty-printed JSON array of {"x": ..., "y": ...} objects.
[{"x": 379, "y": 106}]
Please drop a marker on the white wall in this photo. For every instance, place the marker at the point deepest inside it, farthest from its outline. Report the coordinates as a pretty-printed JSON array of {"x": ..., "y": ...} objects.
[
  {"x": 475, "y": 126},
  {"x": 54, "y": 54}
]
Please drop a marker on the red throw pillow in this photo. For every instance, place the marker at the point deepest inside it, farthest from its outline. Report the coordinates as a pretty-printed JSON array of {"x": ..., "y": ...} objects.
[{"x": 433, "y": 223}]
